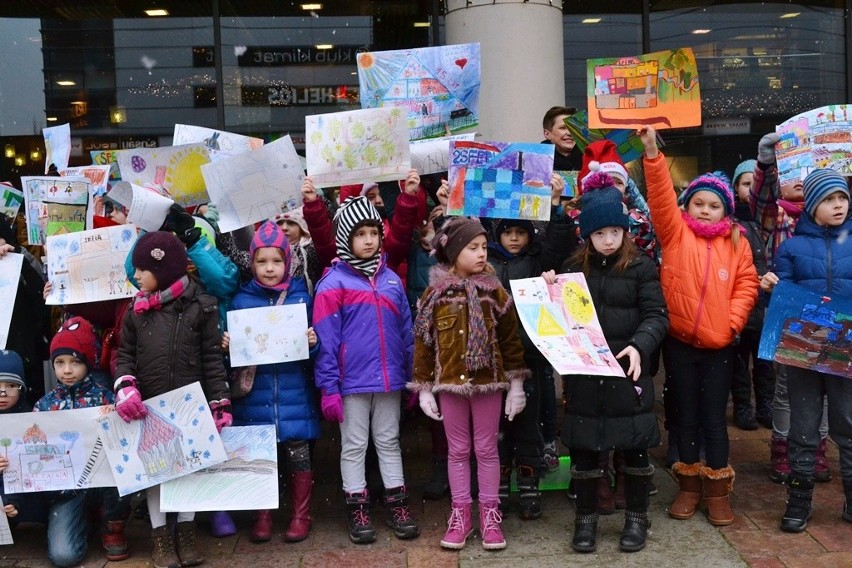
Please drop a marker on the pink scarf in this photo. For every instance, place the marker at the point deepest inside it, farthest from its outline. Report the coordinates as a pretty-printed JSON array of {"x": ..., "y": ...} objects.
[
  {"x": 146, "y": 301},
  {"x": 710, "y": 230},
  {"x": 792, "y": 208}
]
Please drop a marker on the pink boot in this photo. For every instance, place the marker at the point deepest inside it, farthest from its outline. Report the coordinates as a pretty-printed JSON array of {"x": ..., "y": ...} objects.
[
  {"x": 489, "y": 526},
  {"x": 261, "y": 530},
  {"x": 459, "y": 527}
]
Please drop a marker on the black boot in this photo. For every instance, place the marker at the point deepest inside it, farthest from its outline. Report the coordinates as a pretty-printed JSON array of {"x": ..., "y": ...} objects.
[
  {"x": 800, "y": 491},
  {"x": 505, "y": 487},
  {"x": 744, "y": 417},
  {"x": 439, "y": 486},
  {"x": 398, "y": 514},
  {"x": 528, "y": 493},
  {"x": 585, "y": 533},
  {"x": 361, "y": 529},
  {"x": 847, "y": 490},
  {"x": 635, "y": 531}
]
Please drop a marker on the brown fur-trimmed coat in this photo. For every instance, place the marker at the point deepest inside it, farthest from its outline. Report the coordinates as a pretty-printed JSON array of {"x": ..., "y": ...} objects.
[{"x": 440, "y": 345}]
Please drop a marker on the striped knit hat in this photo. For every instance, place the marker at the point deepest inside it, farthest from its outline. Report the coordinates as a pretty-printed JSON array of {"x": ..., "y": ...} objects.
[
  {"x": 353, "y": 214},
  {"x": 818, "y": 185},
  {"x": 269, "y": 234},
  {"x": 717, "y": 183}
]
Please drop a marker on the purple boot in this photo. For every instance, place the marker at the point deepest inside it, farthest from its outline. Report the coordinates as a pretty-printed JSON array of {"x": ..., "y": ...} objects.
[{"x": 221, "y": 524}]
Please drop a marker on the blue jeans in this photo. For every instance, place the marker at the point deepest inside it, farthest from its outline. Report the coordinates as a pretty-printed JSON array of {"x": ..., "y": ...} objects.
[
  {"x": 806, "y": 390},
  {"x": 68, "y": 522}
]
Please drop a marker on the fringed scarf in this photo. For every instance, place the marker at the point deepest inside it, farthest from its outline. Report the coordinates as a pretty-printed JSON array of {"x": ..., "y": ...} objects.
[
  {"x": 146, "y": 301},
  {"x": 478, "y": 354},
  {"x": 711, "y": 230}
]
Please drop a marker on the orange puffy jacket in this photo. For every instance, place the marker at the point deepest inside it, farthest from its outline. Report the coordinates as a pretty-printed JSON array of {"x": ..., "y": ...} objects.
[{"x": 710, "y": 285}]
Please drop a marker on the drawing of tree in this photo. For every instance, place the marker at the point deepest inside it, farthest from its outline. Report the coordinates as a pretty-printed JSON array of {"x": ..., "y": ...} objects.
[
  {"x": 350, "y": 160},
  {"x": 70, "y": 437},
  {"x": 358, "y": 130},
  {"x": 5, "y": 443},
  {"x": 676, "y": 74},
  {"x": 370, "y": 155}
]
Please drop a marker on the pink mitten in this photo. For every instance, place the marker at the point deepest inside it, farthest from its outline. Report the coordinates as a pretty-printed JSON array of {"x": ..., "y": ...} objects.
[
  {"x": 128, "y": 401},
  {"x": 221, "y": 410},
  {"x": 332, "y": 407}
]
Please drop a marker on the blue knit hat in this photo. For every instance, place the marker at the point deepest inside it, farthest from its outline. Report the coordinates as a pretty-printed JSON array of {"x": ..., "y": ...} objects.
[
  {"x": 818, "y": 185},
  {"x": 745, "y": 167},
  {"x": 601, "y": 205},
  {"x": 717, "y": 183},
  {"x": 11, "y": 368}
]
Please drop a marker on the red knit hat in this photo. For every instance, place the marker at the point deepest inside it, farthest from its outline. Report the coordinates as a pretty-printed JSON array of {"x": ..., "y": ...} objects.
[
  {"x": 355, "y": 190},
  {"x": 76, "y": 337},
  {"x": 601, "y": 155}
]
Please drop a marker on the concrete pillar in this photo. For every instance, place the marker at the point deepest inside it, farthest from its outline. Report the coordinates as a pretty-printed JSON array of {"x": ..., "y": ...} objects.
[{"x": 523, "y": 67}]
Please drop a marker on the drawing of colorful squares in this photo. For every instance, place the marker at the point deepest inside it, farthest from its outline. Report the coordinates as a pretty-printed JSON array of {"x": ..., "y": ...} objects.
[
  {"x": 561, "y": 321},
  {"x": 438, "y": 87},
  {"x": 177, "y": 437},
  {"x": 54, "y": 205},
  {"x": 273, "y": 334},
  {"x": 52, "y": 451},
  {"x": 500, "y": 180},
  {"x": 89, "y": 266}
]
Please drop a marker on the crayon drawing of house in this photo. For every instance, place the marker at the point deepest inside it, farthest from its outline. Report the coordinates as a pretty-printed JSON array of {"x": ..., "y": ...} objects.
[{"x": 160, "y": 448}]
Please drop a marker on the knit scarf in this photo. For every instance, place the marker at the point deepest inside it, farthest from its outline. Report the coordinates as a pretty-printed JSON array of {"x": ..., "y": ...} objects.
[
  {"x": 792, "y": 208},
  {"x": 710, "y": 230},
  {"x": 478, "y": 355},
  {"x": 146, "y": 301}
]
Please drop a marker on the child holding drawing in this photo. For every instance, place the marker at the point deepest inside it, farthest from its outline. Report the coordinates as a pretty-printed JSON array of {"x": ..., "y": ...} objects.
[
  {"x": 170, "y": 338},
  {"x": 818, "y": 257},
  {"x": 710, "y": 285},
  {"x": 468, "y": 349},
  {"x": 72, "y": 353},
  {"x": 363, "y": 321},
  {"x": 282, "y": 393},
  {"x": 614, "y": 413}
]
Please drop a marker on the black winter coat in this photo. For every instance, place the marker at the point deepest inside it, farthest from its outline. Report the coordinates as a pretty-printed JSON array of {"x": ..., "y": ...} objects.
[
  {"x": 175, "y": 346},
  {"x": 758, "y": 252},
  {"x": 610, "y": 412}
]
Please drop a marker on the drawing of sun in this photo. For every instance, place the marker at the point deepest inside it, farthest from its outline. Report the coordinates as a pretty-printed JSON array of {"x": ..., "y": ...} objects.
[
  {"x": 578, "y": 303},
  {"x": 184, "y": 172},
  {"x": 365, "y": 60}
]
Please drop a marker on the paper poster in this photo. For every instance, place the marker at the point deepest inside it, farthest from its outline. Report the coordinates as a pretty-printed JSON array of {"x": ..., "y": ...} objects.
[
  {"x": 54, "y": 206},
  {"x": 357, "y": 146},
  {"x": 99, "y": 178},
  {"x": 10, "y": 200},
  {"x": 10, "y": 274},
  {"x": 627, "y": 143},
  {"x": 5, "y": 531},
  {"x": 433, "y": 156},
  {"x": 107, "y": 158},
  {"x": 805, "y": 329},
  {"x": 176, "y": 168},
  {"x": 146, "y": 208},
  {"x": 51, "y": 451},
  {"x": 248, "y": 481},
  {"x": 819, "y": 138},
  {"x": 273, "y": 334},
  {"x": 561, "y": 321},
  {"x": 500, "y": 180},
  {"x": 570, "y": 179},
  {"x": 177, "y": 437},
  {"x": 57, "y": 144},
  {"x": 220, "y": 144},
  {"x": 89, "y": 266},
  {"x": 437, "y": 87},
  {"x": 658, "y": 89},
  {"x": 255, "y": 186}
]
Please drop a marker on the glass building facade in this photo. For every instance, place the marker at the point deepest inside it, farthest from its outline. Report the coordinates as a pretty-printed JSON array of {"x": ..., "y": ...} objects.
[{"x": 122, "y": 77}]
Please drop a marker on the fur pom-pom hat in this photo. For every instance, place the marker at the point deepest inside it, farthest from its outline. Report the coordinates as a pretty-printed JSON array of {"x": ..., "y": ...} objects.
[
  {"x": 601, "y": 205},
  {"x": 602, "y": 156},
  {"x": 716, "y": 182},
  {"x": 454, "y": 235}
]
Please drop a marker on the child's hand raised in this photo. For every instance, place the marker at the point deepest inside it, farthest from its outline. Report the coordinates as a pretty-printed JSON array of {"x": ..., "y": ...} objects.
[
  {"x": 4, "y": 464},
  {"x": 312, "y": 337},
  {"x": 412, "y": 182},
  {"x": 443, "y": 193},
  {"x": 309, "y": 192},
  {"x": 226, "y": 341},
  {"x": 648, "y": 136},
  {"x": 635, "y": 359},
  {"x": 557, "y": 187},
  {"x": 48, "y": 288}
]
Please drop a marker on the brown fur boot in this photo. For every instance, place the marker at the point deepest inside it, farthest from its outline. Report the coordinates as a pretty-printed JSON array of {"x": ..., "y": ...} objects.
[
  {"x": 689, "y": 493},
  {"x": 718, "y": 484}
]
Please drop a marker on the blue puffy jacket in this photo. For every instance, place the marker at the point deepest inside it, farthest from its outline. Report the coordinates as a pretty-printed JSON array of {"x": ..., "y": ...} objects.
[
  {"x": 364, "y": 328},
  {"x": 819, "y": 258},
  {"x": 283, "y": 393}
]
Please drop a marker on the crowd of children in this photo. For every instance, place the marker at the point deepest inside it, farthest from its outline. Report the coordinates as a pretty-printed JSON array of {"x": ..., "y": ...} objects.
[{"x": 416, "y": 305}]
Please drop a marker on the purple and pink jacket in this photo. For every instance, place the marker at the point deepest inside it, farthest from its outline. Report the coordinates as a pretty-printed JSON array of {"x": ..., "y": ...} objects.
[{"x": 366, "y": 342}]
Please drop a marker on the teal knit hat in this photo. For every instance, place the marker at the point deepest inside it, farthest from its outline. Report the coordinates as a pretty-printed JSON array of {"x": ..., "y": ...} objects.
[{"x": 744, "y": 168}]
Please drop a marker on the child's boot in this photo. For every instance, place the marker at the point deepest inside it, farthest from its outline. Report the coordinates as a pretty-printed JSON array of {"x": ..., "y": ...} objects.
[
  {"x": 222, "y": 525},
  {"x": 115, "y": 541},
  {"x": 586, "y": 484},
  {"x": 261, "y": 529},
  {"x": 800, "y": 493},
  {"x": 361, "y": 529},
  {"x": 822, "y": 472},
  {"x": 636, "y": 482},
  {"x": 689, "y": 490},
  {"x": 763, "y": 413},
  {"x": 439, "y": 485},
  {"x": 778, "y": 462},
  {"x": 301, "y": 487},
  {"x": 847, "y": 510},
  {"x": 528, "y": 493},
  {"x": 398, "y": 513},
  {"x": 186, "y": 546},
  {"x": 585, "y": 533},
  {"x": 505, "y": 488},
  {"x": 163, "y": 554},
  {"x": 717, "y": 487},
  {"x": 489, "y": 526},
  {"x": 459, "y": 526}
]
